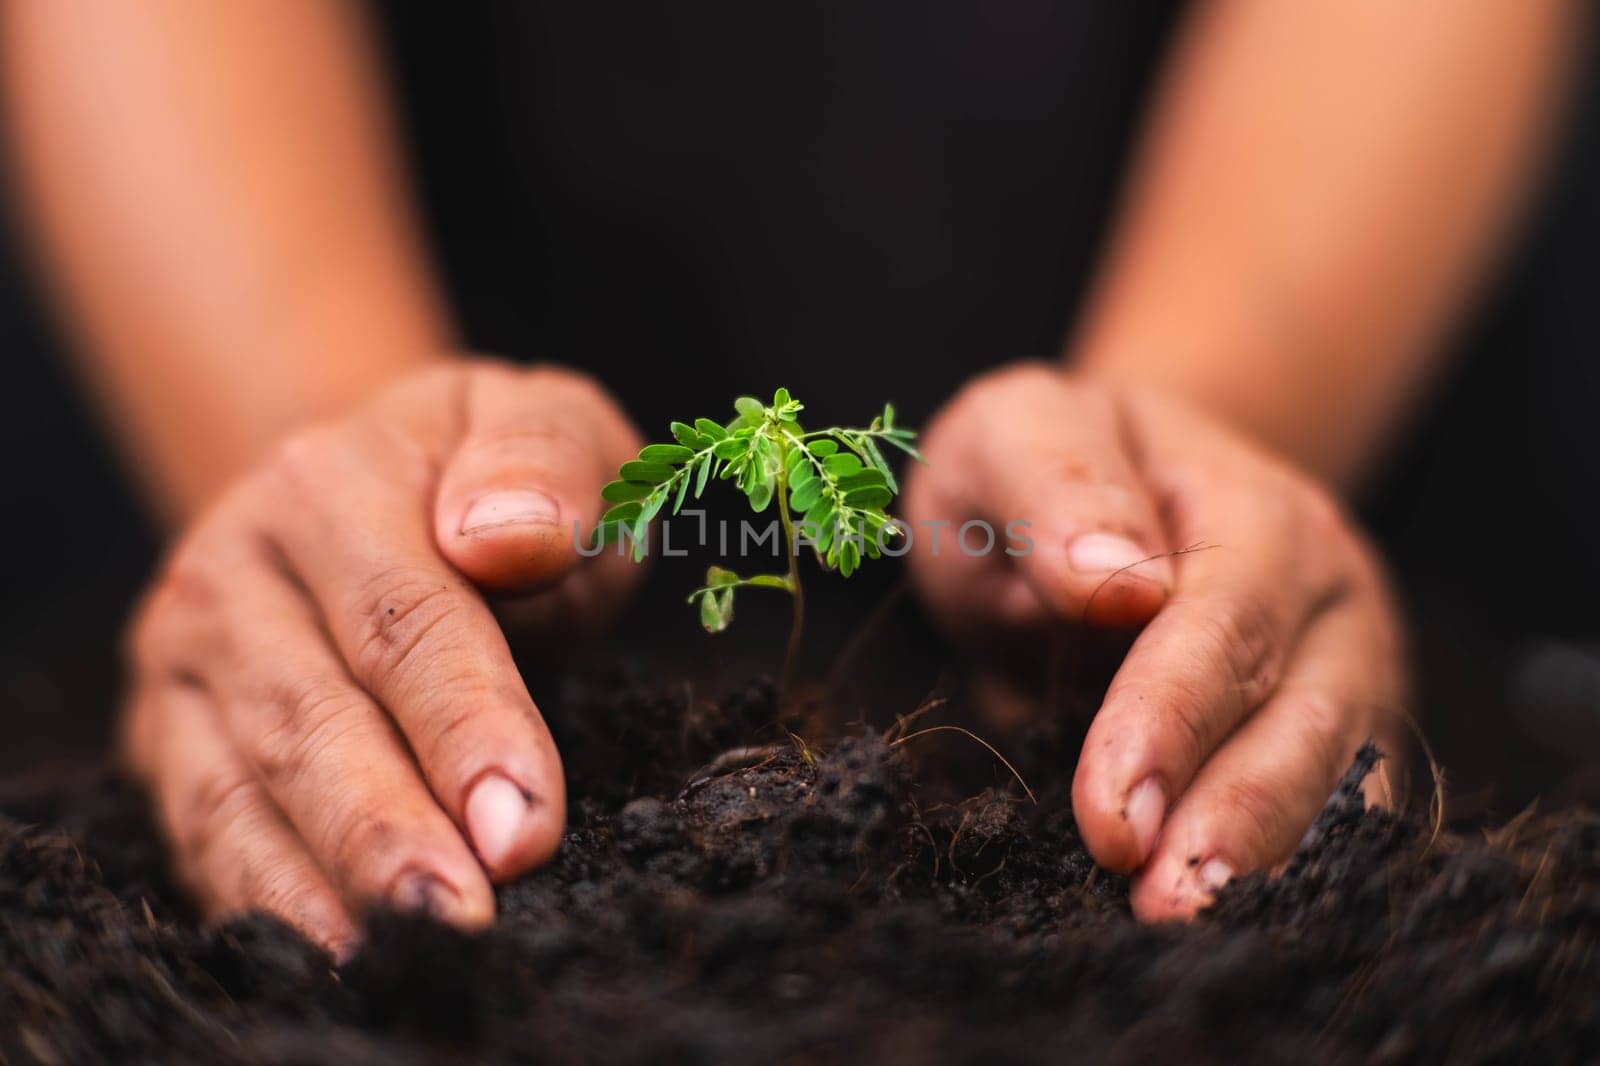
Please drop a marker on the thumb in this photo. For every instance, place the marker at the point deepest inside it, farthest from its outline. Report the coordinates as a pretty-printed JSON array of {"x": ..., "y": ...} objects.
[
  {"x": 1055, "y": 461},
  {"x": 522, "y": 486}
]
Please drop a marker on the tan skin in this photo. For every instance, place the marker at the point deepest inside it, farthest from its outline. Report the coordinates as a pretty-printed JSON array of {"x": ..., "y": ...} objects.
[{"x": 322, "y": 701}]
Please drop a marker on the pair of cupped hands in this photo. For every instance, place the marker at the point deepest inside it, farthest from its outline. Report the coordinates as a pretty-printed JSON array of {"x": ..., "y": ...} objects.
[{"x": 328, "y": 717}]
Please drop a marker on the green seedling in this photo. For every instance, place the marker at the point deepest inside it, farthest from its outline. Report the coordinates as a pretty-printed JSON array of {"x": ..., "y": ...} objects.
[{"x": 831, "y": 486}]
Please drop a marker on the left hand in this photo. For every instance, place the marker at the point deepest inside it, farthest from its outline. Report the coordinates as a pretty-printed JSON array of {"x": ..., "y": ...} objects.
[{"x": 1265, "y": 660}]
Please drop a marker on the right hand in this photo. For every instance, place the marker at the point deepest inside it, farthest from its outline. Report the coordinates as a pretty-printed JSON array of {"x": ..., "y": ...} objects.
[{"x": 322, "y": 705}]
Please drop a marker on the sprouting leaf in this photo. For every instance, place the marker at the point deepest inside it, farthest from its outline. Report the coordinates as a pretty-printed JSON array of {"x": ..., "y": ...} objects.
[
  {"x": 671, "y": 454},
  {"x": 837, "y": 481},
  {"x": 641, "y": 470},
  {"x": 623, "y": 491},
  {"x": 716, "y": 610}
]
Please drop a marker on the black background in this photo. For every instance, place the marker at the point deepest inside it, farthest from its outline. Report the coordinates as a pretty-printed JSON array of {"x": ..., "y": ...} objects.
[{"x": 861, "y": 202}]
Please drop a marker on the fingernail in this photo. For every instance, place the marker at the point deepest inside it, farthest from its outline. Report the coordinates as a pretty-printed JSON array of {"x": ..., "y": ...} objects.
[
  {"x": 1105, "y": 553},
  {"x": 1147, "y": 803},
  {"x": 509, "y": 507},
  {"x": 495, "y": 811},
  {"x": 423, "y": 893},
  {"x": 1214, "y": 874}
]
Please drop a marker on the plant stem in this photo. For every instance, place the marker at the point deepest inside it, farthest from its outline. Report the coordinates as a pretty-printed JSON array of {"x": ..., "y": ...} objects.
[{"x": 790, "y": 656}]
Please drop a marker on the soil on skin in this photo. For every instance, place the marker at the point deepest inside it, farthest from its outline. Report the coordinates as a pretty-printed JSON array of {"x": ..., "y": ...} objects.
[{"x": 847, "y": 901}]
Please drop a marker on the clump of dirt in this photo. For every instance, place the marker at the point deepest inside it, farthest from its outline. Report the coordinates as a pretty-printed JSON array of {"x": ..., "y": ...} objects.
[{"x": 728, "y": 892}]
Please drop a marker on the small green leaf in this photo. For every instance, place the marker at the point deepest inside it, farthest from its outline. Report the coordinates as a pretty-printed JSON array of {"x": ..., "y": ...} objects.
[
  {"x": 841, "y": 465},
  {"x": 716, "y": 610},
  {"x": 769, "y": 581},
  {"x": 730, "y": 448},
  {"x": 687, "y": 436},
  {"x": 849, "y": 556},
  {"x": 823, "y": 517},
  {"x": 750, "y": 409},
  {"x": 651, "y": 505},
  {"x": 888, "y": 416},
  {"x": 672, "y": 454},
  {"x": 766, "y": 454},
  {"x": 683, "y": 490},
  {"x": 623, "y": 512},
  {"x": 710, "y": 429},
  {"x": 876, "y": 458},
  {"x": 868, "y": 497},
  {"x": 805, "y": 496},
  {"x": 716, "y": 575},
  {"x": 623, "y": 491},
  {"x": 780, "y": 397},
  {"x": 705, "y": 472},
  {"x": 761, "y": 494},
  {"x": 862, "y": 479},
  {"x": 640, "y": 530},
  {"x": 822, "y": 448},
  {"x": 606, "y": 533},
  {"x": 650, "y": 472},
  {"x": 901, "y": 443}
]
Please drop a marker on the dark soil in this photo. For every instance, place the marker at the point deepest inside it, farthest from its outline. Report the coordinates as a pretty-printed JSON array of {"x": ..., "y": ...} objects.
[{"x": 842, "y": 901}]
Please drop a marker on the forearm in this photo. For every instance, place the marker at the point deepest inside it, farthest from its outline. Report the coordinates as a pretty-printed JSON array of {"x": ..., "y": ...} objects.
[
  {"x": 217, "y": 198},
  {"x": 1321, "y": 188}
]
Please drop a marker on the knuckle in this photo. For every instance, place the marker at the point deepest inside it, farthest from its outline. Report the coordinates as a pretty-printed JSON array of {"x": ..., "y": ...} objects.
[
  {"x": 212, "y": 807},
  {"x": 1168, "y": 722},
  {"x": 307, "y": 719},
  {"x": 366, "y": 848},
  {"x": 1322, "y": 512},
  {"x": 139, "y": 733},
  {"x": 403, "y": 611},
  {"x": 303, "y": 460},
  {"x": 1324, "y": 725},
  {"x": 573, "y": 385},
  {"x": 184, "y": 587},
  {"x": 1241, "y": 642},
  {"x": 549, "y": 445},
  {"x": 1255, "y": 803},
  {"x": 448, "y": 731},
  {"x": 1184, "y": 723}
]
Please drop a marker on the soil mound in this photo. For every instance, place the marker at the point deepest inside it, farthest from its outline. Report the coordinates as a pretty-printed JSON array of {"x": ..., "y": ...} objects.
[{"x": 730, "y": 893}]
